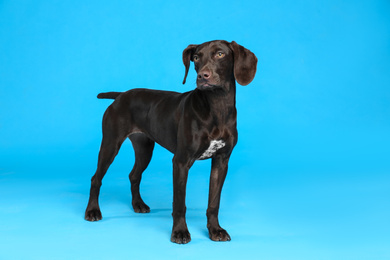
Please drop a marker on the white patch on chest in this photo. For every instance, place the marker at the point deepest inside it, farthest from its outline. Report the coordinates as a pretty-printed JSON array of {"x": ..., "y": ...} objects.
[{"x": 215, "y": 145}]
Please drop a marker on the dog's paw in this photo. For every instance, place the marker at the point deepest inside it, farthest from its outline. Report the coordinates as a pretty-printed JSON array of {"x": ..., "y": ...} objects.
[
  {"x": 219, "y": 234},
  {"x": 181, "y": 237},
  {"x": 93, "y": 215},
  {"x": 140, "y": 207}
]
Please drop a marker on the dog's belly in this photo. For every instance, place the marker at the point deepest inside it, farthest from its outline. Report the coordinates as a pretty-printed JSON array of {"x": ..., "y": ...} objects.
[{"x": 215, "y": 145}]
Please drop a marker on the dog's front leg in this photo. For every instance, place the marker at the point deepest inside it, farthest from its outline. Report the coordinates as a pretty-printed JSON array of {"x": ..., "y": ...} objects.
[
  {"x": 217, "y": 178},
  {"x": 180, "y": 234}
]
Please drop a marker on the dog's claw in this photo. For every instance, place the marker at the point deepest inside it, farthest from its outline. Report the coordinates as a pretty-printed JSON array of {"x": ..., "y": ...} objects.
[
  {"x": 181, "y": 237},
  {"x": 93, "y": 215},
  {"x": 140, "y": 207},
  {"x": 219, "y": 235}
]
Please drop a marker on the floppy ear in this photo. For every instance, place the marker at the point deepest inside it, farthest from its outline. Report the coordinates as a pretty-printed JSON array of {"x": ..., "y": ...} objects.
[
  {"x": 245, "y": 63},
  {"x": 187, "y": 57}
]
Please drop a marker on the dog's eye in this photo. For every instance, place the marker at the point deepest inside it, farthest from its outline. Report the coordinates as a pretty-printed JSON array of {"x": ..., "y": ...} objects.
[
  {"x": 220, "y": 54},
  {"x": 195, "y": 58}
]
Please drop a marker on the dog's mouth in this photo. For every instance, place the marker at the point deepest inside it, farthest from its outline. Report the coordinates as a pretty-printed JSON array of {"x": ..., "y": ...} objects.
[{"x": 206, "y": 85}]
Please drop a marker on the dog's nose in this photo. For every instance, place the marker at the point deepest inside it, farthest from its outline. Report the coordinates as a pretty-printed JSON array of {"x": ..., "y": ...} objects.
[{"x": 204, "y": 74}]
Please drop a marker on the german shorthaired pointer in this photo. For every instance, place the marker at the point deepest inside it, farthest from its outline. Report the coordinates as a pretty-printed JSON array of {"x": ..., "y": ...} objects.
[{"x": 196, "y": 125}]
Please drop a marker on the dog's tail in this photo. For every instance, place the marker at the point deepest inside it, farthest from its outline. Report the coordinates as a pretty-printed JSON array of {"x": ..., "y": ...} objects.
[{"x": 109, "y": 95}]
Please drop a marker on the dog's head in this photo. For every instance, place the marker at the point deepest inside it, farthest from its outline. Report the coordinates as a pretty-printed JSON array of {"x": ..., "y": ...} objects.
[{"x": 219, "y": 62}]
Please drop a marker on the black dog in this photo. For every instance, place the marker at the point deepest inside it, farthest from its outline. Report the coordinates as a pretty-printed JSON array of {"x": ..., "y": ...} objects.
[{"x": 195, "y": 125}]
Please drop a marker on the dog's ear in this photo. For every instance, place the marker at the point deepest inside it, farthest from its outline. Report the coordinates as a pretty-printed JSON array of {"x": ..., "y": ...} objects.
[
  {"x": 187, "y": 57},
  {"x": 245, "y": 63}
]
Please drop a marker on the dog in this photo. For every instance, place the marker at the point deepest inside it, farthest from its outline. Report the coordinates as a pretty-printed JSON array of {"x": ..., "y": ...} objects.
[{"x": 196, "y": 125}]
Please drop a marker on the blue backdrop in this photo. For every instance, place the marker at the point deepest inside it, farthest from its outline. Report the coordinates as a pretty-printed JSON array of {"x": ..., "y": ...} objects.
[{"x": 309, "y": 178}]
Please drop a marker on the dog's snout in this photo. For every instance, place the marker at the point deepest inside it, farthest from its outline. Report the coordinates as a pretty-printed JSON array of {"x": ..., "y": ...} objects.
[{"x": 204, "y": 74}]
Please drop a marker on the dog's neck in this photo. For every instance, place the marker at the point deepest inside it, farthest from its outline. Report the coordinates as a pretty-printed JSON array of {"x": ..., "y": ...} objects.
[{"x": 220, "y": 100}]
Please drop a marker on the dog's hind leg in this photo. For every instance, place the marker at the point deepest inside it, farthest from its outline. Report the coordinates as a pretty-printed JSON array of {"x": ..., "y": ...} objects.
[
  {"x": 111, "y": 143},
  {"x": 143, "y": 150}
]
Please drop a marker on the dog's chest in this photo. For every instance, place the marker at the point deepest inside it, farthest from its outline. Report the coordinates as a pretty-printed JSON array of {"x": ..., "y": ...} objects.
[{"x": 214, "y": 146}]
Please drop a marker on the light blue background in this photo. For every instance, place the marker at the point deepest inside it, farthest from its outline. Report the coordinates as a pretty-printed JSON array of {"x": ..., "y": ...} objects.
[{"x": 309, "y": 178}]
